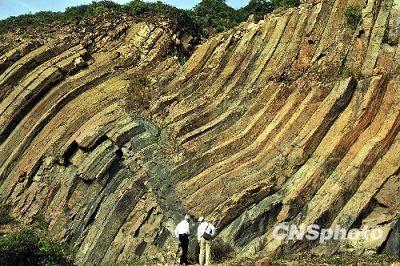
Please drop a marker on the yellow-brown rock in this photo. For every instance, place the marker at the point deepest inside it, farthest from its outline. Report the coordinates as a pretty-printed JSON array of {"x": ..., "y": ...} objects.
[{"x": 293, "y": 119}]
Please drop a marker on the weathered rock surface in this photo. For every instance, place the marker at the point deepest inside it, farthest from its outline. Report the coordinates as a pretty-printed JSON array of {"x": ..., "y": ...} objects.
[{"x": 292, "y": 119}]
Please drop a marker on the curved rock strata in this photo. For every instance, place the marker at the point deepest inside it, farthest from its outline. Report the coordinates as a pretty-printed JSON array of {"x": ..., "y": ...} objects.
[{"x": 292, "y": 119}]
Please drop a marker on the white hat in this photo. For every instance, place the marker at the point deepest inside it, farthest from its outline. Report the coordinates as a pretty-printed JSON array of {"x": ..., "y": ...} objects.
[
  {"x": 187, "y": 217},
  {"x": 201, "y": 219}
]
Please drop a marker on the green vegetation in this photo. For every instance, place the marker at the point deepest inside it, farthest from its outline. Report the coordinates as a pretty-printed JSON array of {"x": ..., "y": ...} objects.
[
  {"x": 5, "y": 217},
  {"x": 215, "y": 14},
  {"x": 71, "y": 13},
  {"x": 139, "y": 93},
  {"x": 285, "y": 3},
  {"x": 93, "y": 9},
  {"x": 182, "y": 58},
  {"x": 208, "y": 16},
  {"x": 27, "y": 247},
  {"x": 182, "y": 18},
  {"x": 258, "y": 8},
  {"x": 40, "y": 222},
  {"x": 353, "y": 16}
]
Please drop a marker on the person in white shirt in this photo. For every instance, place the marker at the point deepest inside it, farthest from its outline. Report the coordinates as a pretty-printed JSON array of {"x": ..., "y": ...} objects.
[
  {"x": 182, "y": 232},
  {"x": 205, "y": 233}
]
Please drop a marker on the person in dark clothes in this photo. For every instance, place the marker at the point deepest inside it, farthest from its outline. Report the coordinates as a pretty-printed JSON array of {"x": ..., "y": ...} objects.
[{"x": 182, "y": 232}]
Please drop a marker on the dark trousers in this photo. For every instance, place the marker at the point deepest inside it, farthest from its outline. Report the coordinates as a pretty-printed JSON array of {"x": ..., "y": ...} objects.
[{"x": 184, "y": 241}]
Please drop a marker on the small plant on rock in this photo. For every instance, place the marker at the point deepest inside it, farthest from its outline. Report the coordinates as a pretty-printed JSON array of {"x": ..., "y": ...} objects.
[
  {"x": 5, "y": 217},
  {"x": 183, "y": 59},
  {"x": 39, "y": 221},
  {"x": 139, "y": 93},
  {"x": 353, "y": 16}
]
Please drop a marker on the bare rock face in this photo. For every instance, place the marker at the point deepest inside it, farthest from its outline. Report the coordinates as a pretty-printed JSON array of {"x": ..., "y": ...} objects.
[{"x": 294, "y": 119}]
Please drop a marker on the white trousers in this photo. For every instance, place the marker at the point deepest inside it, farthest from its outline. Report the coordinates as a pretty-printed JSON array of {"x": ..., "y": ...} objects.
[{"x": 205, "y": 252}]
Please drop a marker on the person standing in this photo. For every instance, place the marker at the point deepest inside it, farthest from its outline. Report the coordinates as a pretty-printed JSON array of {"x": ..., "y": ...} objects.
[
  {"x": 205, "y": 233},
  {"x": 182, "y": 232}
]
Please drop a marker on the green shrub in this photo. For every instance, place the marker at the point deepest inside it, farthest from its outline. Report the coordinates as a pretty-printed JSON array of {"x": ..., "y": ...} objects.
[
  {"x": 48, "y": 17},
  {"x": 285, "y": 3},
  {"x": 184, "y": 19},
  {"x": 139, "y": 93},
  {"x": 223, "y": 24},
  {"x": 39, "y": 221},
  {"x": 95, "y": 8},
  {"x": 258, "y": 8},
  {"x": 5, "y": 217},
  {"x": 24, "y": 21},
  {"x": 142, "y": 81},
  {"x": 183, "y": 59},
  {"x": 137, "y": 7},
  {"x": 353, "y": 16},
  {"x": 29, "y": 248},
  {"x": 216, "y": 14}
]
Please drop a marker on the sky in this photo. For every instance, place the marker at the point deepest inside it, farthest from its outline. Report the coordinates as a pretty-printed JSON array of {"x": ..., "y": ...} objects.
[{"x": 17, "y": 7}]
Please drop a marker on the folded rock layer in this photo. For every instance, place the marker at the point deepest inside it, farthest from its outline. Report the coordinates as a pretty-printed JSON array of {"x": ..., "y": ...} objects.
[{"x": 293, "y": 119}]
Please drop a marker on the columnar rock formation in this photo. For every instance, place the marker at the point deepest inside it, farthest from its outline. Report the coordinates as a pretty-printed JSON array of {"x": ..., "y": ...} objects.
[{"x": 291, "y": 119}]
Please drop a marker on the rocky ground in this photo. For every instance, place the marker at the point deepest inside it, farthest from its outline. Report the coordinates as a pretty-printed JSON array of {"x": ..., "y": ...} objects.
[
  {"x": 302, "y": 259},
  {"x": 111, "y": 136}
]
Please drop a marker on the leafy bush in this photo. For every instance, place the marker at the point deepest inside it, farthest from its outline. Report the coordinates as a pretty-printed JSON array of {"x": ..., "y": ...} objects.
[
  {"x": 184, "y": 19},
  {"x": 353, "y": 15},
  {"x": 29, "y": 248},
  {"x": 216, "y": 14},
  {"x": 95, "y": 8},
  {"x": 258, "y": 8},
  {"x": 5, "y": 217}
]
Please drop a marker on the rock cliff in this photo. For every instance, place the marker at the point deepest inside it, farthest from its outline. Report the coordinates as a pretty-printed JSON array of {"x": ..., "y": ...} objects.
[{"x": 292, "y": 119}]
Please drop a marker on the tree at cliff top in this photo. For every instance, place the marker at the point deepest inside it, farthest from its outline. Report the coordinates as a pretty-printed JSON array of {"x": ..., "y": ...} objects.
[
  {"x": 216, "y": 14},
  {"x": 256, "y": 7}
]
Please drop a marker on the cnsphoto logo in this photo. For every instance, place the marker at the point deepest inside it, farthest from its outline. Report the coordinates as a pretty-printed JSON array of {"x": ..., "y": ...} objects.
[{"x": 313, "y": 232}]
